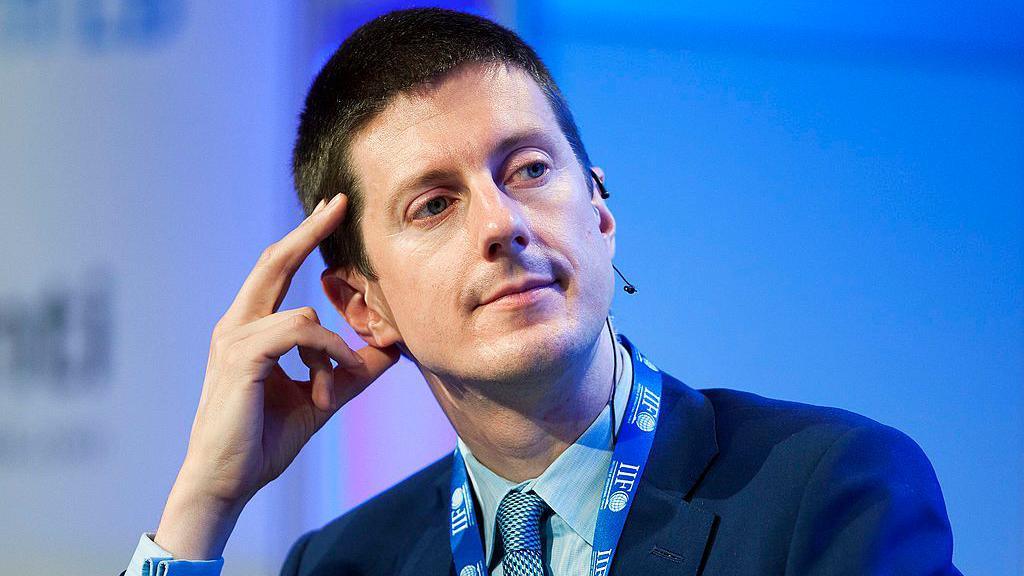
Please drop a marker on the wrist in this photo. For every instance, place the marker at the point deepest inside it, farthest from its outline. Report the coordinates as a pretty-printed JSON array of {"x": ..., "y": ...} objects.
[{"x": 195, "y": 525}]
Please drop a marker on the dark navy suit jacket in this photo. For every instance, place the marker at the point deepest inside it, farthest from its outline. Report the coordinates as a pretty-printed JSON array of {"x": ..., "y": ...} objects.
[{"x": 736, "y": 484}]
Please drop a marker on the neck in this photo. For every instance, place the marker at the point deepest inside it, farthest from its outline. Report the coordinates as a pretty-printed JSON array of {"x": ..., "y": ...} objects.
[{"x": 518, "y": 428}]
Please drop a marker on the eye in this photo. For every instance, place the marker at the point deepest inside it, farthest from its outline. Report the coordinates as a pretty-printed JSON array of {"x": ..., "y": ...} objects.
[
  {"x": 534, "y": 170},
  {"x": 433, "y": 207}
]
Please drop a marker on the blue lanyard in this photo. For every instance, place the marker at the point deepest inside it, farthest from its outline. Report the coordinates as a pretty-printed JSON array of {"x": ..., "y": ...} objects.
[{"x": 636, "y": 435}]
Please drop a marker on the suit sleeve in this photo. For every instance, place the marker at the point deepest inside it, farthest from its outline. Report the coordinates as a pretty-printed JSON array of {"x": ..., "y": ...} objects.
[
  {"x": 872, "y": 506},
  {"x": 293, "y": 560}
]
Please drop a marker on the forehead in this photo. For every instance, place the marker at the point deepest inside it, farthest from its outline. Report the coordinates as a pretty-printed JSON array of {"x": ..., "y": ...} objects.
[{"x": 453, "y": 122}]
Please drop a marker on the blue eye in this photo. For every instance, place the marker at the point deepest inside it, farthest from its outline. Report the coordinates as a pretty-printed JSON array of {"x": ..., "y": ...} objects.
[
  {"x": 534, "y": 170},
  {"x": 434, "y": 206}
]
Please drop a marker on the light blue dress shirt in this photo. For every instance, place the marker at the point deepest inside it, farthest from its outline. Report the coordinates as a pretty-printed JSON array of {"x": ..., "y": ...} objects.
[
  {"x": 571, "y": 486},
  {"x": 150, "y": 559}
]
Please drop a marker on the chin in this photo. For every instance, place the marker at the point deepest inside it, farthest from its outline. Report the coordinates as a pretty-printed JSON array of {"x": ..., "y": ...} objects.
[{"x": 509, "y": 355}]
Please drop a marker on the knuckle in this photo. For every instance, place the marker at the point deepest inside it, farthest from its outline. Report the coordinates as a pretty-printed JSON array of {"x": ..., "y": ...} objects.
[
  {"x": 269, "y": 255},
  {"x": 309, "y": 312},
  {"x": 218, "y": 330},
  {"x": 299, "y": 322}
]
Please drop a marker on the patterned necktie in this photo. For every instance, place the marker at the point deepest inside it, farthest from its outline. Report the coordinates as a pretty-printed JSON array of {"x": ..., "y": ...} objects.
[{"x": 519, "y": 518}]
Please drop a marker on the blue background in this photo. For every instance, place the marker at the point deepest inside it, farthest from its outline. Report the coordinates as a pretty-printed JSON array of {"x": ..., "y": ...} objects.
[{"x": 823, "y": 204}]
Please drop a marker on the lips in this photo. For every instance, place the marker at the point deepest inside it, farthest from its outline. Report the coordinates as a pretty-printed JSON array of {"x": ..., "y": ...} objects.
[{"x": 517, "y": 287}]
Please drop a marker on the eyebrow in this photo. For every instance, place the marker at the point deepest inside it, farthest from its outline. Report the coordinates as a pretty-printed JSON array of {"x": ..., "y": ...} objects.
[{"x": 435, "y": 176}]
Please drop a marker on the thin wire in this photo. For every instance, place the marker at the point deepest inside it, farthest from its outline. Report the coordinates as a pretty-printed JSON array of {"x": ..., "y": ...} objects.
[{"x": 615, "y": 367}]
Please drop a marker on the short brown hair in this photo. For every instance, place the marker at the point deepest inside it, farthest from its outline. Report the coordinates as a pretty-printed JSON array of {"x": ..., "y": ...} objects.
[{"x": 390, "y": 55}]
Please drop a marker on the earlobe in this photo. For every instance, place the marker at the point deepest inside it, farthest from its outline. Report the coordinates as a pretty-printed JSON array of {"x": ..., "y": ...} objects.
[{"x": 608, "y": 231}]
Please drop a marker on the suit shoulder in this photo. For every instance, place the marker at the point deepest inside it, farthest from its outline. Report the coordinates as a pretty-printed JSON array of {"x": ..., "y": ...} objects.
[
  {"x": 801, "y": 432},
  {"x": 797, "y": 441},
  {"x": 413, "y": 496},
  {"x": 388, "y": 519},
  {"x": 739, "y": 408}
]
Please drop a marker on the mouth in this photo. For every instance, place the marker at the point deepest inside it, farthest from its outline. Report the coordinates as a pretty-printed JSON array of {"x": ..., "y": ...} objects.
[{"x": 528, "y": 295}]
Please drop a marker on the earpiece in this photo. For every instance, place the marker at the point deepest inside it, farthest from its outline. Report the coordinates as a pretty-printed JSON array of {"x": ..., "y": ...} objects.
[
  {"x": 629, "y": 288},
  {"x": 600, "y": 185}
]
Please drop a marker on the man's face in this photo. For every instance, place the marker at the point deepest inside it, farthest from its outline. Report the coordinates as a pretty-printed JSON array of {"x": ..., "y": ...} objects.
[{"x": 471, "y": 187}]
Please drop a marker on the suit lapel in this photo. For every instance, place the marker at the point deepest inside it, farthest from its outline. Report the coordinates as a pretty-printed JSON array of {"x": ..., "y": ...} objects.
[
  {"x": 432, "y": 553},
  {"x": 664, "y": 533}
]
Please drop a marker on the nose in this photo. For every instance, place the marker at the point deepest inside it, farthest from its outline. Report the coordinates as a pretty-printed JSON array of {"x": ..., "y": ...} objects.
[{"x": 498, "y": 220}]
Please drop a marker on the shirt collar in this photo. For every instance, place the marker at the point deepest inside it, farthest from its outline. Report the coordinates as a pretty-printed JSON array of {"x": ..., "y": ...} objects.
[{"x": 572, "y": 484}]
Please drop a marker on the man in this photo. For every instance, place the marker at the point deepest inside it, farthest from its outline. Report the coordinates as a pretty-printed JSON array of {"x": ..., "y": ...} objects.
[{"x": 467, "y": 230}]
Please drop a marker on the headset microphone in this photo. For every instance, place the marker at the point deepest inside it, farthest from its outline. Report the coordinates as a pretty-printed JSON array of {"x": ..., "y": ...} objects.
[{"x": 629, "y": 288}]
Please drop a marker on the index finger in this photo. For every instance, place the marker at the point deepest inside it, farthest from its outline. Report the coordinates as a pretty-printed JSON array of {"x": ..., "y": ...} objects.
[{"x": 265, "y": 287}]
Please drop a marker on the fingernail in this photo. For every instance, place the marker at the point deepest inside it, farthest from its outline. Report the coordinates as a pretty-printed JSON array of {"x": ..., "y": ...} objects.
[
  {"x": 319, "y": 206},
  {"x": 335, "y": 199}
]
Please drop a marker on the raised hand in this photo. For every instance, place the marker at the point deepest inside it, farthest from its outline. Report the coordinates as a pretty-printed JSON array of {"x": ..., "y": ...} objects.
[{"x": 252, "y": 418}]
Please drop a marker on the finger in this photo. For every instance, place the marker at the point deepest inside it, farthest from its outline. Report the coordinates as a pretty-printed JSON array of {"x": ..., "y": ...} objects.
[
  {"x": 350, "y": 381},
  {"x": 267, "y": 322},
  {"x": 263, "y": 349},
  {"x": 321, "y": 376},
  {"x": 265, "y": 287}
]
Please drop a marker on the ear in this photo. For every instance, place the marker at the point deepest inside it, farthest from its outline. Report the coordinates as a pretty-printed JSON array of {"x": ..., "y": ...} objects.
[
  {"x": 606, "y": 221},
  {"x": 361, "y": 304}
]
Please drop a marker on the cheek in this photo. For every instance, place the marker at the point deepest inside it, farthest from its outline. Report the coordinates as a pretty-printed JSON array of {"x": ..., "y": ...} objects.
[
  {"x": 590, "y": 254},
  {"x": 421, "y": 283},
  {"x": 576, "y": 232}
]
